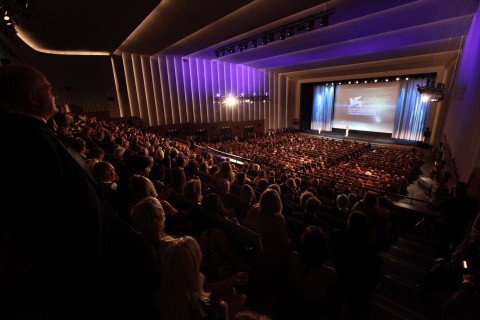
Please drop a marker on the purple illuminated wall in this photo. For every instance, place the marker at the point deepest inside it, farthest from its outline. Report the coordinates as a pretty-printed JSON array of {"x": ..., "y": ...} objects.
[
  {"x": 170, "y": 90},
  {"x": 462, "y": 119}
]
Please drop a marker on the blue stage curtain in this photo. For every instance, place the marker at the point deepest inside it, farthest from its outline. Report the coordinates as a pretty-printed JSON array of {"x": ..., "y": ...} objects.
[
  {"x": 411, "y": 113},
  {"x": 323, "y": 97}
]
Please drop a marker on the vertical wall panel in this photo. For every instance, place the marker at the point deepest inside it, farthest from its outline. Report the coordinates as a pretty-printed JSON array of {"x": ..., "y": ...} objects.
[
  {"x": 148, "y": 86},
  {"x": 182, "y": 111},
  {"x": 207, "y": 97},
  {"x": 171, "y": 90},
  {"x": 167, "y": 107},
  {"x": 129, "y": 78},
  {"x": 194, "y": 90},
  {"x": 200, "y": 90},
  {"x": 157, "y": 93},
  {"x": 187, "y": 93},
  {"x": 172, "y": 86},
  {"x": 139, "y": 88},
  {"x": 215, "y": 91}
]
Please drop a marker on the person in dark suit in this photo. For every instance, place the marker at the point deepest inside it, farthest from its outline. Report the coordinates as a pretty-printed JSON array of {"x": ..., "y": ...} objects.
[{"x": 52, "y": 223}]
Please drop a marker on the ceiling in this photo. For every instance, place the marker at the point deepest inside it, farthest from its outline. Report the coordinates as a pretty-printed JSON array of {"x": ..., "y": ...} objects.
[{"x": 369, "y": 36}]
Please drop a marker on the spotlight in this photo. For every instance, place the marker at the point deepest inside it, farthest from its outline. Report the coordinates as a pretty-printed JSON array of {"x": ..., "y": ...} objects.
[
  {"x": 282, "y": 35},
  {"x": 264, "y": 40},
  {"x": 254, "y": 43},
  {"x": 430, "y": 92},
  {"x": 231, "y": 49},
  {"x": 290, "y": 32}
]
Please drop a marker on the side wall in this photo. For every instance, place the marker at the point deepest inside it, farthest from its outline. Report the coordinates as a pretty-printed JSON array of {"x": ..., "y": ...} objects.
[{"x": 169, "y": 90}]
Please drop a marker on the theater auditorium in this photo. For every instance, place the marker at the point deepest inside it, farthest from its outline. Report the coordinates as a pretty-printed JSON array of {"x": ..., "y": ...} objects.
[{"x": 233, "y": 160}]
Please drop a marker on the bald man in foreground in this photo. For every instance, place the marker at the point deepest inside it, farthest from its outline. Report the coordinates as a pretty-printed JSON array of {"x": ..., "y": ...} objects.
[{"x": 52, "y": 221}]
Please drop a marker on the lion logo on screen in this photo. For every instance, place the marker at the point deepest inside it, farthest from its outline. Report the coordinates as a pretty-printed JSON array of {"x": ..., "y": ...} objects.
[{"x": 356, "y": 102}]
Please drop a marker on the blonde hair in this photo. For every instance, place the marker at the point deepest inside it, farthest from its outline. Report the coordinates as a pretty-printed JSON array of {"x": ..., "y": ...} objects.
[
  {"x": 141, "y": 187},
  {"x": 181, "y": 290},
  {"x": 148, "y": 218},
  {"x": 193, "y": 190}
]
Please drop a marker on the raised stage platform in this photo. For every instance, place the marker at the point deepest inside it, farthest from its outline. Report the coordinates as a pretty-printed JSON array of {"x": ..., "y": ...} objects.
[{"x": 367, "y": 136}]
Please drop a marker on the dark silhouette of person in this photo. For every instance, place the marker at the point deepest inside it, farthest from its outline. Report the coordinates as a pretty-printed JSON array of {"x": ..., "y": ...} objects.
[{"x": 53, "y": 225}]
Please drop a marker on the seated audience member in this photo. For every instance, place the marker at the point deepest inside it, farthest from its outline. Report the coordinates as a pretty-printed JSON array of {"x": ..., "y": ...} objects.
[
  {"x": 229, "y": 200},
  {"x": 341, "y": 210},
  {"x": 269, "y": 222},
  {"x": 117, "y": 161},
  {"x": 104, "y": 174},
  {"x": 181, "y": 294},
  {"x": 122, "y": 200},
  {"x": 262, "y": 174},
  {"x": 148, "y": 215},
  {"x": 312, "y": 209},
  {"x": 193, "y": 191},
  {"x": 248, "y": 200},
  {"x": 225, "y": 172},
  {"x": 94, "y": 155},
  {"x": 79, "y": 145},
  {"x": 357, "y": 265},
  {"x": 310, "y": 280},
  {"x": 262, "y": 185},
  {"x": 368, "y": 205},
  {"x": 221, "y": 260}
]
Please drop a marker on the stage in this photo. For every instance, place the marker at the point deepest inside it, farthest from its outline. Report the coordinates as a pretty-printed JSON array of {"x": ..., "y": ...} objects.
[{"x": 367, "y": 136}]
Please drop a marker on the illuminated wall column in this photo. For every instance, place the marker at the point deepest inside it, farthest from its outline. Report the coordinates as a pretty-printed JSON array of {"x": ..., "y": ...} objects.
[
  {"x": 208, "y": 68},
  {"x": 158, "y": 114},
  {"x": 149, "y": 93},
  {"x": 164, "y": 87},
  {"x": 131, "y": 90},
  {"x": 139, "y": 79}
]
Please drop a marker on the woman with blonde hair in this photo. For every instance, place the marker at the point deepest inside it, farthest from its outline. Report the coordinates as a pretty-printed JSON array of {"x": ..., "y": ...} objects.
[
  {"x": 193, "y": 190},
  {"x": 269, "y": 222},
  {"x": 181, "y": 294}
]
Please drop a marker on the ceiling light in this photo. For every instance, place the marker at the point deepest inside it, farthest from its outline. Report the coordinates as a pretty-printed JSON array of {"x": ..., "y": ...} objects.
[{"x": 284, "y": 31}]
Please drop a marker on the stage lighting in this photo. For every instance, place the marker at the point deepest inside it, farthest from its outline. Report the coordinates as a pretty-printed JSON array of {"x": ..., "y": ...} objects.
[
  {"x": 287, "y": 30},
  {"x": 434, "y": 93}
]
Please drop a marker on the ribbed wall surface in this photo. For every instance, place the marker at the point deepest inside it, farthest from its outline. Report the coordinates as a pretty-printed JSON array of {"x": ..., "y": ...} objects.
[
  {"x": 85, "y": 81},
  {"x": 165, "y": 90}
]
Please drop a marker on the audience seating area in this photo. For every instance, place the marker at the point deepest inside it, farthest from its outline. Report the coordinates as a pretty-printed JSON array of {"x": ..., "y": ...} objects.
[{"x": 310, "y": 175}]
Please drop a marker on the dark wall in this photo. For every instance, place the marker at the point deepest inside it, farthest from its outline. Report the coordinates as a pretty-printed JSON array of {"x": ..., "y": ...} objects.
[{"x": 306, "y": 101}]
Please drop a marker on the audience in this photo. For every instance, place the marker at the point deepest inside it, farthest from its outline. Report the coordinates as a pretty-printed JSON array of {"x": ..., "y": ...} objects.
[{"x": 319, "y": 180}]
